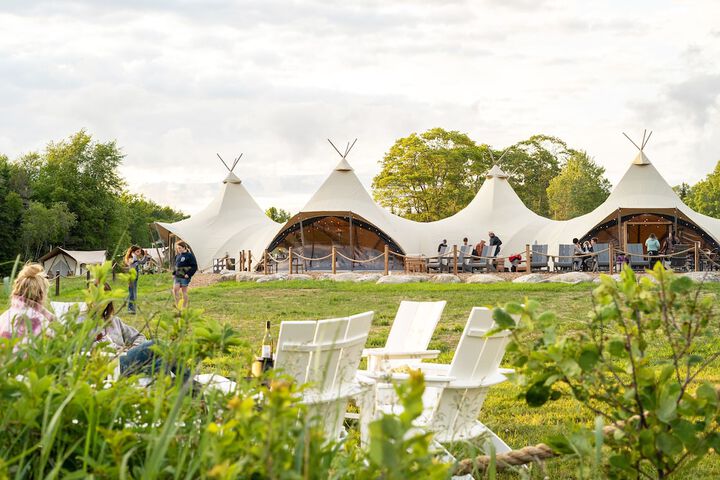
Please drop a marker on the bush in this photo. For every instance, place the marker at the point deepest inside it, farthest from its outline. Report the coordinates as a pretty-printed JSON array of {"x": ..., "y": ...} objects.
[
  {"x": 658, "y": 417},
  {"x": 64, "y": 416}
]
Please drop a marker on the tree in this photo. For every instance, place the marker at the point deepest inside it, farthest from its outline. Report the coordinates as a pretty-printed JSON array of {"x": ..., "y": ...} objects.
[
  {"x": 704, "y": 196},
  {"x": 531, "y": 164},
  {"x": 139, "y": 213},
  {"x": 11, "y": 210},
  {"x": 580, "y": 187},
  {"x": 278, "y": 214},
  {"x": 430, "y": 176},
  {"x": 683, "y": 191},
  {"x": 43, "y": 226},
  {"x": 84, "y": 175}
]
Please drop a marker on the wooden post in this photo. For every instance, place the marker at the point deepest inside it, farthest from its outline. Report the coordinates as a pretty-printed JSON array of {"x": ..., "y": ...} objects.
[
  {"x": 238, "y": 266},
  {"x": 290, "y": 260},
  {"x": 87, "y": 276},
  {"x": 332, "y": 259},
  {"x": 387, "y": 259},
  {"x": 528, "y": 258},
  {"x": 697, "y": 257},
  {"x": 57, "y": 282},
  {"x": 455, "y": 259},
  {"x": 265, "y": 257},
  {"x": 611, "y": 256},
  {"x": 249, "y": 261}
]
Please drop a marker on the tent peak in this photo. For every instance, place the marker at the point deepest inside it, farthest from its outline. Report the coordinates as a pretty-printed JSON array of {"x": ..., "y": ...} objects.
[
  {"x": 496, "y": 172},
  {"x": 232, "y": 178},
  {"x": 641, "y": 159},
  {"x": 343, "y": 166}
]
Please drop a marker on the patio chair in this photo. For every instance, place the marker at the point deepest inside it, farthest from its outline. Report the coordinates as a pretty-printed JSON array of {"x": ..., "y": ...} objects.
[
  {"x": 62, "y": 309},
  {"x": 440, "y": 262},
  {"x": 409, "y": 337},
  {"x": 539, "y": 258},
  {"x": 603, "y": 256},
  {"x": 636, "y": 256},
  {"x": 479, "y": 263},
  {"x": 680, "y": 262},
  {"x": 324, "y": 356},
  {"x": 455, "y": 393},
  {"x": 564, "y": 261}
]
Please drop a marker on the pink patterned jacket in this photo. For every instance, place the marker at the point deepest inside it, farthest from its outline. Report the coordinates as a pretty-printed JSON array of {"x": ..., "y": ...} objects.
[{"x": 21, "y": 314}]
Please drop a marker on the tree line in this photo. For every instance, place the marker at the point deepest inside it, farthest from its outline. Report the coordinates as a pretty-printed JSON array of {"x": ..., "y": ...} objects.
[
  {"x": 72, "y": 195},
  {"x": 432, "y": 175}
]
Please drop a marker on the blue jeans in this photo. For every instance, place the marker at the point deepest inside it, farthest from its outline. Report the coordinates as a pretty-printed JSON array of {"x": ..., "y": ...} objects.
[
  {"x": 132, "y": 295},
  {"x": 143, "y": 360}
]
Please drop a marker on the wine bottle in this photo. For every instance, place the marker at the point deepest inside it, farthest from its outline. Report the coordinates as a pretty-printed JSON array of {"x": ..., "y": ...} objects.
[{"x": 267, "y": 343}]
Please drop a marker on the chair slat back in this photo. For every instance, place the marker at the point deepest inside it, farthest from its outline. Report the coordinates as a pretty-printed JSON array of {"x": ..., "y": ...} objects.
[
  {"x": 636, "y": 250},
  {"x": 471, "y": 344},
  {"x": 413, "y": 327},
  {"x": 565, "y": 252},
  {"x": 539, "y": 256},
  {"x": 603, "y": 257},
  {"x": 324, "y": 354}
]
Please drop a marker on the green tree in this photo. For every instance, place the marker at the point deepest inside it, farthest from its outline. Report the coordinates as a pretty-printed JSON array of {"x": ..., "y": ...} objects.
[
  {"x": 278, "y": 214},
  {"x": 683, "y": 191},
  {"x": 531, "y": 164},
  {"x": 430, "y": 176},
  {"x": 43, "y": 226},
  {"x": 704, "y": 196},
  {"x": 579, "y": 188},
  {"x": 11, "y": 209},
  {"x": 139, "y": 214},
  {"x": 83, "y": 174}
]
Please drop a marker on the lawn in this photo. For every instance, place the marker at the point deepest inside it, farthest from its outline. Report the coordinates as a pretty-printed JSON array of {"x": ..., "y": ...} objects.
[{"x": 247, "y": 306}]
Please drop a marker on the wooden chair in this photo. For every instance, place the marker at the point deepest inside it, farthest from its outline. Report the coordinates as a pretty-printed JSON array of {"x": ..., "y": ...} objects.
[
  {"x": 539, "y": 258},
  {"x": 636, "y": 256},
  {"x": 455, "y": 393},
  {"x": 409, "y": 337},
  {"x": 564, "y": 261}
]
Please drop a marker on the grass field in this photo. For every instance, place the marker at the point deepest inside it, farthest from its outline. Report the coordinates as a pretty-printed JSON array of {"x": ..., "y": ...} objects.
[{"x": 247, "y": 306}]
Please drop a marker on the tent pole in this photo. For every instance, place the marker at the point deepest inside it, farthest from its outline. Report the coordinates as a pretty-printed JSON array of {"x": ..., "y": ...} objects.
[{"x": 352, "y": 245}]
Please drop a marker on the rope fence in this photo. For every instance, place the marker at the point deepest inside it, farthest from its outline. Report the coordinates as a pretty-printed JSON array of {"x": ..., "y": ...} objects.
[{"x": 457, "y": 260}]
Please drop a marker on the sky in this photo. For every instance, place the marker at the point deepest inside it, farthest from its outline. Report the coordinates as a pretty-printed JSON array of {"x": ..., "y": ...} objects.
[{"x": 176, "y": 81}]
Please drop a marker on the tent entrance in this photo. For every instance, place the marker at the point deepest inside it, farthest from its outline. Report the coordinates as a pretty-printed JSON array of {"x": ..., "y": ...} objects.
[
  {"x": 359, "y": 245},
  {"x": 638, "y": 232}
]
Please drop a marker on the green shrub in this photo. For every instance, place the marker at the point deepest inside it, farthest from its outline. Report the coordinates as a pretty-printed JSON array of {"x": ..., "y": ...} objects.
[{"x": 659, "y": 419}]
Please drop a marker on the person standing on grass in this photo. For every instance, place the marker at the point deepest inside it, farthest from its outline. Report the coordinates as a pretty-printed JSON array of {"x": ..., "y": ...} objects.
[
  {"x": 185, "y": 268},
  {"x": 134, "y": 259},
  {"x": 27, "y": 316}
]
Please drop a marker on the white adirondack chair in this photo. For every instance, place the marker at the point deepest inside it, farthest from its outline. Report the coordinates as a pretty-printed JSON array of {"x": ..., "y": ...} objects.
[
  {"x": 409, "y": 337},
  {"x": 323, "y": 355},
  {"x": 455, "y": 393},
  {"x": 61, "y": 309}
]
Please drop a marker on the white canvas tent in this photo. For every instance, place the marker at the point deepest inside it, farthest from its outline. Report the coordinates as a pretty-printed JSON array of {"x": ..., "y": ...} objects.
[
  {"x": 71, "y": 262},
  {"x": 232, "y": 222}
]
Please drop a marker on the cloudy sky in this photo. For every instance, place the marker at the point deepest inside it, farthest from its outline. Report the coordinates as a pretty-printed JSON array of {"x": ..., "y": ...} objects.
[{"x": 175, "y": 81}]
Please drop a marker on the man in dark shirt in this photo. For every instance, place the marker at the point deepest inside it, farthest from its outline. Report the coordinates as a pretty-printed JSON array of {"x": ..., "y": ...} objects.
[
  {"x": 494, "y": 242},
  {"x": 443, "y": 244}
]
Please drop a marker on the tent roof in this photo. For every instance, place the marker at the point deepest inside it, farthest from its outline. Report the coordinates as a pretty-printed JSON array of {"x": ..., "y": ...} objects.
[
  {"x": 233, "y": 221},
  {"x": 87, "y": 257}
]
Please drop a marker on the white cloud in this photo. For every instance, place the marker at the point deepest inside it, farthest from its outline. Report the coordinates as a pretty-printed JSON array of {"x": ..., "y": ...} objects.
[{"x": 177, "y": 81}]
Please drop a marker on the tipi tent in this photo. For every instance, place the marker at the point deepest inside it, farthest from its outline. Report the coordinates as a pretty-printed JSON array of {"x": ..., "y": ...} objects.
[
  {"x": 71, "y": 262},
  {"x": 232, "y": 222}
]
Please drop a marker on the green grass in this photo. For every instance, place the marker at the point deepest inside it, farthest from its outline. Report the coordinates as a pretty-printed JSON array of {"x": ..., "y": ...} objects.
[{"x": 247, "y": 306}]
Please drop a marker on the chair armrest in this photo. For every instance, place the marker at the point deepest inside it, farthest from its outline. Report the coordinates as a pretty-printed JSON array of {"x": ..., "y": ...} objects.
[
  {"x": 486, "y": 382},
  {"x": 430, "y": 380},
  {"x": 399, "y": 355},
  {"x": 434, "y": 368}
]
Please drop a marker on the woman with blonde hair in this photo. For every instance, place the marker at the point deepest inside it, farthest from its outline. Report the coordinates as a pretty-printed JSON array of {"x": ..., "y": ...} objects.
[{"x": 27, "y": 315}]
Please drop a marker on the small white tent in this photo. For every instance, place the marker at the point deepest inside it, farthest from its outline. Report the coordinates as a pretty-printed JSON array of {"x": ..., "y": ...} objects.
[
  {"x": 232, "y": 222},
  {"x": 71, "y": 262}
]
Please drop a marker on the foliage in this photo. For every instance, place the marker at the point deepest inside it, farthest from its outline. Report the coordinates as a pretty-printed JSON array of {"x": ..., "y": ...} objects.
[
  {"x": 580, "y": 187},
  {"x": 532, "y": 164},
  {"x": 683, "y": 191},
  {"x": 278, "y": 214},
  {"x": 704, "y": 196},
  {"x": 634, "y": 366},
  {"x": 63, "y": 417},
  {"x": 42, "y": 226},
  {"x": 74, "y": 184},
  {"x": 430, "y": 176}
]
